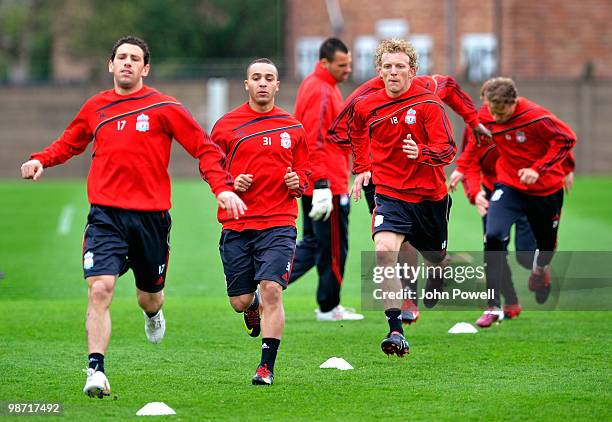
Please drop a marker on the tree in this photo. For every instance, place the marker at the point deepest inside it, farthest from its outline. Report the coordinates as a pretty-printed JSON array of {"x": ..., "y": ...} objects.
[
  {"x": 186, "y": 32},
  {"x": 24, "y": 40},
  {"x": 181, "y": 33}
]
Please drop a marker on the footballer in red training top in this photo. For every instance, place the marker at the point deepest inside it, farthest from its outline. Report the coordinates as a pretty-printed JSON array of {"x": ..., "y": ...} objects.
[
  {"x": 132, "y": 127},
  {"x": 401, "y": 137},
  {"x": 267, "y": 155},
  {"x": 324, "y": 242},
  {"x": 476, "y": 169},
  {"x": 449, "y": 91},
  {"x": 445, "y": 87},
  {"x": 533, "y": 147}
]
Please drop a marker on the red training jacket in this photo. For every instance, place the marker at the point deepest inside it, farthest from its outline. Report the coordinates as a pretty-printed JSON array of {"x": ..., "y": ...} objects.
[
  {"x": 317, "y": 104},
  {"x": 532, "y": 138},
  {"x": 379, "y": 124},
  {"x": 132, "y": 137},
  {"x": 478, "y": 161},
  {"x": 445, "y": 87},
  {"x": 264, "y": 145}
]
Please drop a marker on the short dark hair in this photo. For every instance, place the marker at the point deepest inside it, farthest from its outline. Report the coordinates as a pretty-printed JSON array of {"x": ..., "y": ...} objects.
[
  {"x": 130, "y": 39},
  {"x": 329, "y": 47},
  {"x": 261, "y": 60}
]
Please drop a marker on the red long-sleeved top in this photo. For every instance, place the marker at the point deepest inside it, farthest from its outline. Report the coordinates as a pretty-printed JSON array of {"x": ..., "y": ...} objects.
[
  {"x": 532, "y": 138},
  {"x": 445, "y": 87},
  {"x": 379, "y": 124},
  {"x": 132, "y": 137},
  {"x": 264, "y": 145},
  {"x": 317, "y": 104},
  {"x": 477, "y": 162}
]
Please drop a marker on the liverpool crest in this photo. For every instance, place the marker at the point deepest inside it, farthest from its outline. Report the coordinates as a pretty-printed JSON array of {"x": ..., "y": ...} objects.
[
  {"x": 285, "y": 140},
  {"x": 411, "y": 116},
  {"x": 142, "y": 123}
]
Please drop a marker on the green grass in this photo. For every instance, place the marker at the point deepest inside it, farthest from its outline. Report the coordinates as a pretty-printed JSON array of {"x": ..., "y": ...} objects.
[{"x": 542, "y": 366}]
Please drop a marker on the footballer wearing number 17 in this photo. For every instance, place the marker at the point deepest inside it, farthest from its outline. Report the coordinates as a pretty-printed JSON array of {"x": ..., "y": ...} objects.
[
  {"x": 132, "y": 127},
  {"x": 267, "y": 155}
]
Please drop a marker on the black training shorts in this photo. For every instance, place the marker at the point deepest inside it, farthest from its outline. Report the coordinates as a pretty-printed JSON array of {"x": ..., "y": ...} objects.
[
  {"x": 116, "y": 240},
  {"x": 424, "y": 224},
  {"x": 250, "y": 256}
]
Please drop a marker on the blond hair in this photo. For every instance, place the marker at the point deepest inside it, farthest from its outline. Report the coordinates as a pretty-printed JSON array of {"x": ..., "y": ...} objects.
[
  {"x": 396, "y": 45},
  {"x": 499, "y": 90}
]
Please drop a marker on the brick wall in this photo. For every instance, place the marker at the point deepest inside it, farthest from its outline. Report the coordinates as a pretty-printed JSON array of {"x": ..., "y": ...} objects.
[
  {"x": 310, "y": 18},
  {"x": 31, "y": 118},
  {"x": 539, "y": 39},
  {"x": 558, "y": 38}
]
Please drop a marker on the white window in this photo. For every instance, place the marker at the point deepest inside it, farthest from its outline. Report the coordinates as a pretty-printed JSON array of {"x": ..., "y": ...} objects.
[
  {"x": 424, "y": 46},
  {"x": 399, "y": 28},
  {"x": 306, "y": 55},
  {"x": 363, "y": 57},
  {"x": 392, "y": 28},
  {"x": 479, "y": 56}
]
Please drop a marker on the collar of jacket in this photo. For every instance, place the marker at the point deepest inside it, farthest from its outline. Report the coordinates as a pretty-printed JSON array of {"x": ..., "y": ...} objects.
[{"x": 322, "y": 73}]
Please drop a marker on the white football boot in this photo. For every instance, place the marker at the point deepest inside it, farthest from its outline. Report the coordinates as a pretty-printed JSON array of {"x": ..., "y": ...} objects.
[
  {"x": 339, "y": 313},
  {"x": 155, "y": 327},
  {"x": 97, "y": 384}
]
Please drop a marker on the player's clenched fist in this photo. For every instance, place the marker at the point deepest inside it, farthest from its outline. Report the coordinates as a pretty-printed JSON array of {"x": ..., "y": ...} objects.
[
  {"x": 528, "y": 176},
  {"x": 242, "y": 182},
  {"x": 410, "y": 148},
  {"x": 32, "y": 169},
  {"x": 292, "y": 180}
]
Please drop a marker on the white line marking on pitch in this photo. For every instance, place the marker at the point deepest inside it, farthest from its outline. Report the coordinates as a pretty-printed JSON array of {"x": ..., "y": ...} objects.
[{"x": 65, "y": 220}]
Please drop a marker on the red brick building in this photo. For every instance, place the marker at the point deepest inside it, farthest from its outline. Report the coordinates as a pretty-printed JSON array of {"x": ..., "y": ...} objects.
[
  {"x": 472, "y": 39},
  {"x": 548, "y": 46}
]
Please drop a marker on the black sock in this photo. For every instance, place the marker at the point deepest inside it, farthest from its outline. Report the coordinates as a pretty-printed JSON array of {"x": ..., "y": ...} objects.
[
  {"x": 269, "y": 347},
  {"x": 255, "y": 304},
  {"x": 151, "y": 314},
  {"x": 96, "y": 361},
  {"x": 394, "y": 318}
]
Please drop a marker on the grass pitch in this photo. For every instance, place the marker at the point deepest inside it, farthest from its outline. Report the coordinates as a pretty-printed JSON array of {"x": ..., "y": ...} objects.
[{"x": 541, "y": 366}]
